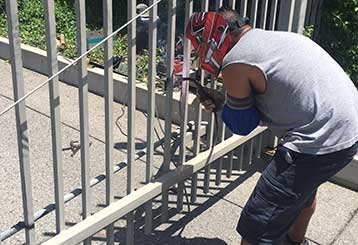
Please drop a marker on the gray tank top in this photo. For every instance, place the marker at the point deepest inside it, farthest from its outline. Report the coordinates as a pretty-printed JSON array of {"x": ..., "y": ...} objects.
[{"x": 308, "y": 95}]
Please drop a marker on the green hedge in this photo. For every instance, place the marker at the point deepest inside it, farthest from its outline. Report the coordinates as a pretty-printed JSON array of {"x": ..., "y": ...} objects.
[
  {"x": 32, "y": 27},
  {"x": 32, "y": 23}
]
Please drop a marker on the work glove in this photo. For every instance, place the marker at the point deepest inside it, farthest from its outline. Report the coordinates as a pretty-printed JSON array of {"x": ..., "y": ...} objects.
[{"x": 213, "y": 100}]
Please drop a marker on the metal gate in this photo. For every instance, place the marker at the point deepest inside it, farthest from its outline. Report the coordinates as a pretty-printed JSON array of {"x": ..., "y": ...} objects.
[{"x": 288, "y": 15}]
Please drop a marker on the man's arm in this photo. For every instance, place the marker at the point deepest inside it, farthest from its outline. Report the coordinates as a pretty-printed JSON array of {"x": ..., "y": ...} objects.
[
  {"x": 239, "y": 112},
  {"x": 236, "y": 80}
]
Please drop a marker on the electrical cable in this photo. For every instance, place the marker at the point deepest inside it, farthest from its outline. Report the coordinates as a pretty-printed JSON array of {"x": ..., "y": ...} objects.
[{"x": 205, "y": 96}]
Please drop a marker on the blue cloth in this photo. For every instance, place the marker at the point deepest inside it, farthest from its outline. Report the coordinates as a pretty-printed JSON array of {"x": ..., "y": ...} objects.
[
  {"x": 240, "y": 122},
  {"x": 288, "y": 185}
]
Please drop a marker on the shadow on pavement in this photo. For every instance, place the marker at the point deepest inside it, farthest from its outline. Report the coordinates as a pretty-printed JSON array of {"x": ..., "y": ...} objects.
[{"x": 172, "y": 233}]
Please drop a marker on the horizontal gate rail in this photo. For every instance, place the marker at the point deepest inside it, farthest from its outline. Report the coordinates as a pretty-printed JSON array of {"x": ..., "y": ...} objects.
[
  {"x": 4, "y": 234},
  {"x": 127, "y": 204}
]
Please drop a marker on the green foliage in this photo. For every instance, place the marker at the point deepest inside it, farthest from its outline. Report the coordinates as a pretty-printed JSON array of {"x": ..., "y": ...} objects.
[
  {"x": 32, "y": 28},
  {"x": 94, "y": 12},
  {"x": 308, "y": 31},
  {"x": 339, "y": 34},
  {"x": 32, "y": 23}
]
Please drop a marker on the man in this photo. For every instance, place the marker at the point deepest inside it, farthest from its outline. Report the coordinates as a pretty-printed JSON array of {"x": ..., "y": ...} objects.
[{"x": 289, "y": 83}]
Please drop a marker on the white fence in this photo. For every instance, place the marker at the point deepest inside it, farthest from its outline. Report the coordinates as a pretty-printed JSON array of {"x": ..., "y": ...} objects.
[{"x": 288, "y": 15}]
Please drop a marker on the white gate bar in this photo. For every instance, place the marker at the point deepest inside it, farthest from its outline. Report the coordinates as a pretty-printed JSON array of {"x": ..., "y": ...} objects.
[
  {"x": 220, "y": 163},
  {"x": 197, "y": 140},
  {"x": 286, "y": 15},
  {"x": 198, "y": 119},
  {"x": 131, "y": 113},
  {"x": 263, "y": 17},
  {"x": 21, "y": 120},
  {"x": 55, "y": 111},
  {"x": 299, "y": 16},
  {"x": 172, "y": 4},
  {"x": 153, "y": 15},
  {"x": 273, "y": 15},
  {"x": 243, "y": 8},
  {"x": 308, "y": 12},
  {"x": 218, "y": 4},
  {"x": 83, "y": 102},
  {"x": 230, "y": 163},
  {"x": 184, "y": 104},
  {"x": 108, "y": 107},
  {"x": 211, "y": 137},
  {"x": 222, "y": 131},
  {"x": 232, "y": 4},
  {"x": 251, "y": 150},
  {"x": 253, "y": 15},
  {"x": 118, "y": 209},
  {"x": 259, "y": 146},
  {"x": 241, "y": 158},
  {"x": 210, "y": 131}
]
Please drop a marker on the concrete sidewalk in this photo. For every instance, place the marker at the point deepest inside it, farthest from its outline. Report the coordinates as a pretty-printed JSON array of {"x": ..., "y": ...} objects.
[{"x": 212, "y": 220}]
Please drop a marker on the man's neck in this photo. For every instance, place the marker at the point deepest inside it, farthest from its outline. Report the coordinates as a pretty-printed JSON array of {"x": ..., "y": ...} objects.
[{"x": 236, "y": 39}]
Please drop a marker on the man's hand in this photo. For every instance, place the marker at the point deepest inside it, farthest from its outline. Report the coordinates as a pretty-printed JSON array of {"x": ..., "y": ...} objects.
[{"x": 214, "y": 101}]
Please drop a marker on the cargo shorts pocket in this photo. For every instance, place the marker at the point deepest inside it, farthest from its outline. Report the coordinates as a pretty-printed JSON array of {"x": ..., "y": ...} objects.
[{"x": 255, "y": 217}]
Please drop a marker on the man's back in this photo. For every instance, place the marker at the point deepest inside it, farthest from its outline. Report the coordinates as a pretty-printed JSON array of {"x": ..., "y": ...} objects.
[{"x": 308, "y": 94}]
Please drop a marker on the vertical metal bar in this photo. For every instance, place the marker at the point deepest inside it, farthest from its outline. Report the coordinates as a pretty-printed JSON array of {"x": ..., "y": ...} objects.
[
  {"x": 108, "y": 97},
  {"x": 229, "y": 166},
  {"x": 317, "y": 20},
  {"x": 205, "y": 5},
  {"x": 151, "y": 109},
  {"x": 211, "y": 132},
  {"x": 172, "y": 4},
  {"x": 263, "y": 14},
  {"x": 194, "y": 183},
  {"x": 218, "y": 4},
  {"x": 241, "y": 158},
  {"x": 55, "y": 113},
  {"x": 273, "y": 15},
  {"x": 21, "y": 121},
  {"x": 210, "y": 139},
  {"x": 194, "y": 180},
  {"x": 131, "y": 112},
  {"x": 276, "y": 141},
  {"x": 286, "y": 15},
  {"x": 253, "y": 15},
  {"x": 314, "y": 11},
  {"x": 299, "y": 16},
  {"x": 251, "y": 150},
  {"x": 220, "y": 163},
  {"x": 243, "y": 8},
  {"x": 232, "y": 4},
  {"x": 308, "y": 13},
  {"x": 83, "y": 102},
  {"x": 222, "y": 131},
  {"x": 184, "y": 105},
  {"x": 259, "y": 146}
]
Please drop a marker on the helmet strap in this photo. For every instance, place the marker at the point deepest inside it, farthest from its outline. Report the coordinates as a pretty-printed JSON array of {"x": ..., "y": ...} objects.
[{"x": 236, "y": 27}]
